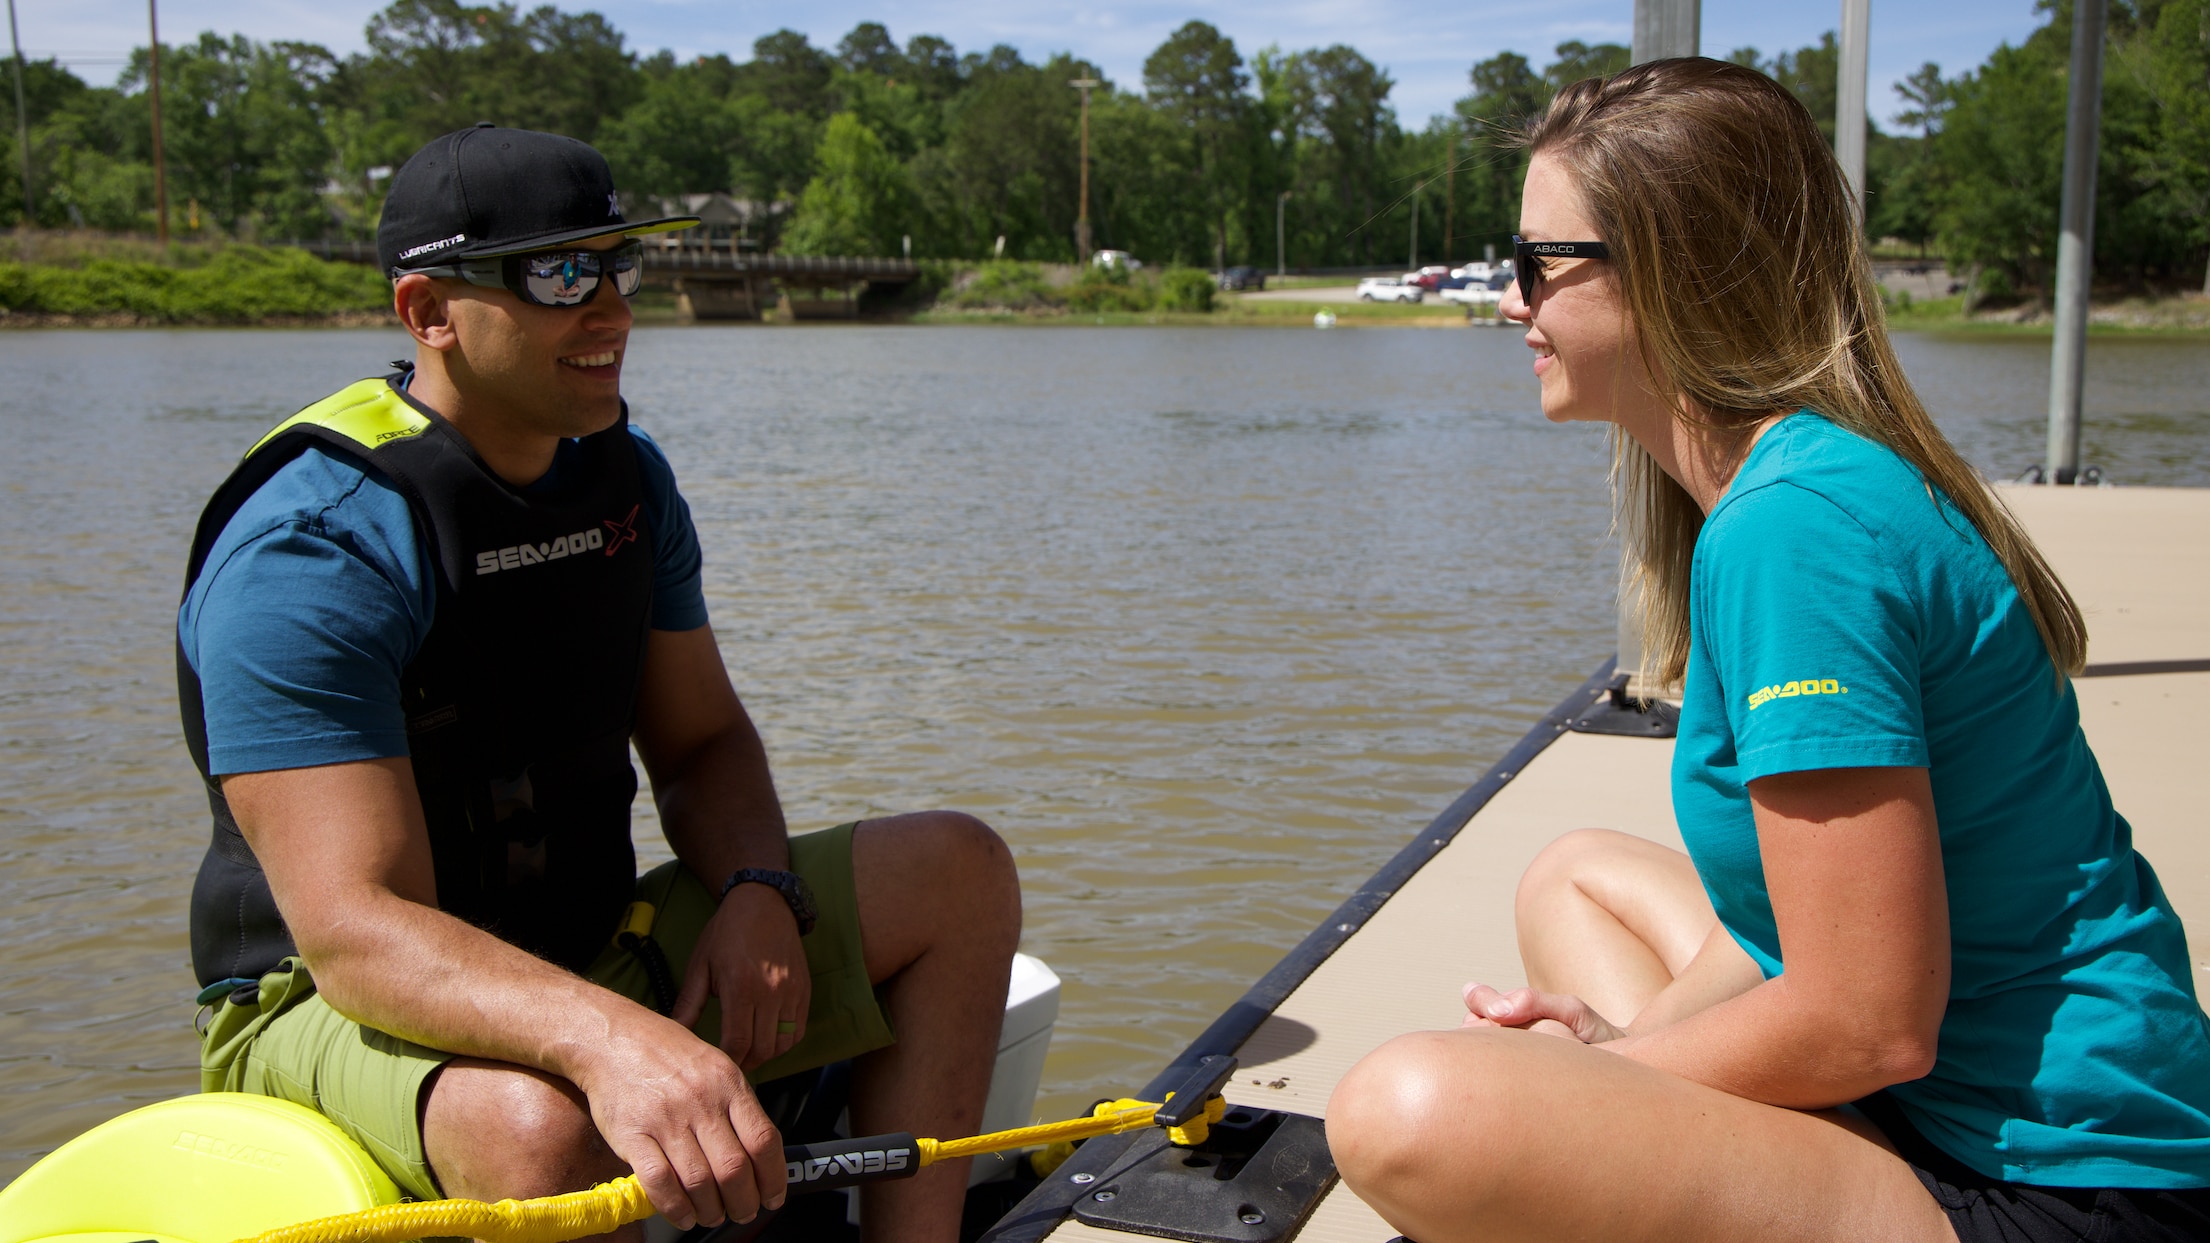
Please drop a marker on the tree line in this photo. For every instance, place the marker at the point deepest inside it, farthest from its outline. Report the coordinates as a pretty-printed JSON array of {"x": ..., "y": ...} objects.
[{"x": 869, "y": 147}]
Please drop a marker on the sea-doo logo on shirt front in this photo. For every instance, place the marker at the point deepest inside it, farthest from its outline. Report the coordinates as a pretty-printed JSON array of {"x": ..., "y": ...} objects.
[
  {"x": 847, "y": 1164},
  {"x": 515, "y": 556},
  {"x": 1789, "y": 690}
]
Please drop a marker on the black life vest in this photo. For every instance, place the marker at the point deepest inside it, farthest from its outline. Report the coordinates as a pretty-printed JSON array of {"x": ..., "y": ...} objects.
[{"x": 519, "y": 705}]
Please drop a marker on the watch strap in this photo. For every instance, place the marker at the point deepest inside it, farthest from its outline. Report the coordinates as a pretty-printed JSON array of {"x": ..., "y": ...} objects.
[{"x": 796, "y": 893}]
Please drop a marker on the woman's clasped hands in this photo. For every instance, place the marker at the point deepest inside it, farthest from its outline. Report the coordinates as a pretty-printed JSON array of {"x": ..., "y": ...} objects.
[{"x": 1552, "y": 1014}]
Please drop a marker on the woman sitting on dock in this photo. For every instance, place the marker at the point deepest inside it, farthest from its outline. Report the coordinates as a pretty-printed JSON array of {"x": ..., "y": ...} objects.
[{"x": 1987, "y": 1028}]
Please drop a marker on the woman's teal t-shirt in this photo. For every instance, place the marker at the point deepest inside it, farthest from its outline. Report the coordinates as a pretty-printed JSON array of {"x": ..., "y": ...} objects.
[{"x": 1845, "y": 616}]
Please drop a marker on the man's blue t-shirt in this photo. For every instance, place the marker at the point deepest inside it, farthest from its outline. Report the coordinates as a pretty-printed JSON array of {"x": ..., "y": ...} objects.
[
  {"x": 1845, "y": 616},
  {"x": 319, "y": 592}
]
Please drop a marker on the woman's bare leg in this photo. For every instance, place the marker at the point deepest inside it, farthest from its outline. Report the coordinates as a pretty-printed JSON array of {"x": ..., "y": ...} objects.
[
  {"x": 1492, "y": 1134},
  {"x": 1610, "y": 918}
]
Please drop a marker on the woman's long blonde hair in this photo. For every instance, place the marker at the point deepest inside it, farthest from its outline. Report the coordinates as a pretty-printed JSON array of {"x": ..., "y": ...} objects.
[{"x": 1743, "y": 269}]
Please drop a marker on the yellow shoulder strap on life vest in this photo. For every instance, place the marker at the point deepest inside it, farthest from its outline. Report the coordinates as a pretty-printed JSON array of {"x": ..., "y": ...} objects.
[{"x": 370, "y": 412}]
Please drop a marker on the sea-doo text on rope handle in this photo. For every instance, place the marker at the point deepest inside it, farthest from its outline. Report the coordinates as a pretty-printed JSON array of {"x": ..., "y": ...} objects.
[{"x": 1187, "y": 1114}]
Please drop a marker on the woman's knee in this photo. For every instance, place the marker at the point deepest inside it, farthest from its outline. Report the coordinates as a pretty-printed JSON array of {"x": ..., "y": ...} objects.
[
  {"x": 1567, "y": 866},
  {"x": 1421, "y": 1110}
]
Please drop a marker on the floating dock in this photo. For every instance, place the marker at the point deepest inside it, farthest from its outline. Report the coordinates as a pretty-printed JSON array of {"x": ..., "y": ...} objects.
[{"x": 1392, "y": 958}]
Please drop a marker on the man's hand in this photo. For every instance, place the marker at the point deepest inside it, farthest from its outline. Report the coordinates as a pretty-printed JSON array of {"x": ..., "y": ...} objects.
[
  {"x": 682, "y": 1116},
  {"x": 750, "y": 957},
  {"x": 1552, "y": 1014}
]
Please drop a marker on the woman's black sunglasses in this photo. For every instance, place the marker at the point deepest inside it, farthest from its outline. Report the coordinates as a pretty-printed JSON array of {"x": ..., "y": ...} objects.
[
  {"x": 552, "y": 277},
  {"x": 1528, "y": 259}
]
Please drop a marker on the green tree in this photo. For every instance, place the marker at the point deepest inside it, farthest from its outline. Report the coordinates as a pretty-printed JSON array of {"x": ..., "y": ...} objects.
[
  {"x": 1577, "y": 60},
  {"x": 85, "y": 171},
  {"x": 435, "y": 66},
  {"x": 243, "y": 134},
  {"x": 859, "y": 203},
  {"x": 1196, "y": 79},
  {"x": 1008, "y": 166},
  {"x": 1341, "y": 109}
]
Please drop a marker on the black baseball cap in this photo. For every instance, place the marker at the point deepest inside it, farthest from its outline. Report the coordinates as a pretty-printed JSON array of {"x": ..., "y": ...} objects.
[{"x": 486, "y": 191}]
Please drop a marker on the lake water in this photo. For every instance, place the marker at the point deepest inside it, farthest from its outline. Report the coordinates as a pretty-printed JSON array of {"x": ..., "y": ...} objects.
[{"x": 1206, "y": 622}]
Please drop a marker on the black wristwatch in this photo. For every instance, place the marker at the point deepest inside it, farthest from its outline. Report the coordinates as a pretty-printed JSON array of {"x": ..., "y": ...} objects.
[{"x": 791, "y": 885}]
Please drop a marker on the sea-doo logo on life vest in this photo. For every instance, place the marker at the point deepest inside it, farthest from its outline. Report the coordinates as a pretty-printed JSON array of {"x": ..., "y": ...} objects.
[
  {"x": 515, "y": 556},
  {"x": 849, "y": 1164},
  {"x": 624, "y": 532}
]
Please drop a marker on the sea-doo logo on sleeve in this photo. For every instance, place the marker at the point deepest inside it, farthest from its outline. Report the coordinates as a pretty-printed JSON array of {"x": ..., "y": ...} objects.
[
  {"x": 515, "y": 556},
  {"x": 1789, "y": 690},
  {"x": 849, "y": 1164}
]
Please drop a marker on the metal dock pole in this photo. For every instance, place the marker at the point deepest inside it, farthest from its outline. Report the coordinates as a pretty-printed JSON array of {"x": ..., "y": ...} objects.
[
  {"x": 1665, "y": 28},
  {"x": 1849, "y": 104},
  {"x": 1662, "y": 28},
  {"x": 2076, "y": 244}
]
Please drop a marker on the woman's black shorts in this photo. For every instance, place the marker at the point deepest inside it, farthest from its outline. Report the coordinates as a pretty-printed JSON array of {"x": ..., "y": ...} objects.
[{"x": 1989, "y": 1210}]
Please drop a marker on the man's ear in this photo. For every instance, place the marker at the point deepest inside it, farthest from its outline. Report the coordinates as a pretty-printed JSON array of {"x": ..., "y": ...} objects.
[{"x": 424, "y": 311}]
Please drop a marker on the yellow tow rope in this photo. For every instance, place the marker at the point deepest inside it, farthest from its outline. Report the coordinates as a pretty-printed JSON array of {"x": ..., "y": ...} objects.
[{"x": 556, "y": 1219}]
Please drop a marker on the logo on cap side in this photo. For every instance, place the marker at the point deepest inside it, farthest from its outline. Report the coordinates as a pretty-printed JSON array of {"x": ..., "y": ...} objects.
[
  {"x": 427, "y": 247},
  {"x": 613, "y": 208}
]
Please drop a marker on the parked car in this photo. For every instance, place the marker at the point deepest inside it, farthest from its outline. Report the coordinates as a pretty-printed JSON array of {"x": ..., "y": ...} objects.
[
  {"x": 1116, "y": 259},
  {"x": 1389, "y": 289},
  {"x": 1243, "y": 278},
  {"x": 1487, "y": 292},
  {"x": 1427, "y": 278}
]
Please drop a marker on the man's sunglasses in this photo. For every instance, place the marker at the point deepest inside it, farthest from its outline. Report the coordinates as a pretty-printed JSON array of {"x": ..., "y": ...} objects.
[
  {"x": 552, "y": 277},
  {"x": 1528, "y": 259}
]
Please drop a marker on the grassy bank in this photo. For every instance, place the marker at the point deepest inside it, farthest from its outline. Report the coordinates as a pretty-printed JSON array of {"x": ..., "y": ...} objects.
[
  {"x": 129, "y": 282},
  {"x": 2176, "y": 315}
]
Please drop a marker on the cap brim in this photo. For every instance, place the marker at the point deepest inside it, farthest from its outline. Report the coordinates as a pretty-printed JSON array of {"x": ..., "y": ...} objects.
[{"x": 665, "y": 224}]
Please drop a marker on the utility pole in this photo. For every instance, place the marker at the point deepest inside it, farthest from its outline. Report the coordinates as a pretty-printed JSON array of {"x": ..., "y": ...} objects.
[
  {"x": 1849, "y": 103},
  {"x": 1450, "y": 200},
  {"x": 22, "y": 123},
  {"x": 1281, "y": 244},
  {"x": 1413, "y": 264},
  {"x": 1082, "y": 222},
  {"x": 2076, "y": 242},
  {"x": 160, "y": 174},
  {"x": 1665, "y": 28}
]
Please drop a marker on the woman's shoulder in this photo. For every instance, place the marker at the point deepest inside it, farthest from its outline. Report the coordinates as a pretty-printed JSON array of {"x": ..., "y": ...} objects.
[{"x": 1809, "y": 468}]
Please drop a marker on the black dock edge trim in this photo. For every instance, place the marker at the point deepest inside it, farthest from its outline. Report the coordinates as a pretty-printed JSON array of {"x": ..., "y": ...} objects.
[
  {"x": 2139, "y": 668},
  {"x": 1050, "y": 1203}
]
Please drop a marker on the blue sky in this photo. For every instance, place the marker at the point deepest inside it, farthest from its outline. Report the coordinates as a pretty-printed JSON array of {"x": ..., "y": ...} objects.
[{"x": 1427, "y": 48}]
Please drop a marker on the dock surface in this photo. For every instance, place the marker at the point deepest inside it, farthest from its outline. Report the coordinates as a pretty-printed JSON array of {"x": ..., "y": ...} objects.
[{"x": 2138, "y": 562}]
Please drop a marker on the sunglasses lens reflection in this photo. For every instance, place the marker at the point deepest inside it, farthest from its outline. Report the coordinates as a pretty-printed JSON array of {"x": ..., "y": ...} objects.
[{"x": 560, "y": 280}]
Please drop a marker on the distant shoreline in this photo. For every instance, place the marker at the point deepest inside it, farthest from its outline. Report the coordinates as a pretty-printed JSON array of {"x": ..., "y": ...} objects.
[{"x": 2181, "y": 316}]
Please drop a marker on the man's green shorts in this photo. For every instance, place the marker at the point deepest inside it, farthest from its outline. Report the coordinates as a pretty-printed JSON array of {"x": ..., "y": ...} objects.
[{"x": 293, "y": 1045}]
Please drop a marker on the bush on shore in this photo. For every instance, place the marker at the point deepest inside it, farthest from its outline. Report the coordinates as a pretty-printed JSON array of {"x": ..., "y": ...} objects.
[
  {"x": 234, "y": 285},
  {"x": 1031, "y": 288}
]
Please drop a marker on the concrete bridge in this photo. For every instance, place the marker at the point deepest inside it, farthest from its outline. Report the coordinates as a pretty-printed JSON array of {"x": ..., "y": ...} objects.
[
  {"x": 726, "y": 284},
  {"x": 721, "y": 283}
]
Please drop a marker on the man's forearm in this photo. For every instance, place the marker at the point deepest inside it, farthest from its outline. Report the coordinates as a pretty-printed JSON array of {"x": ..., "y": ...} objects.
[
  {"x": 719, "y": 810},
  {"x": 466, "y": 992}
]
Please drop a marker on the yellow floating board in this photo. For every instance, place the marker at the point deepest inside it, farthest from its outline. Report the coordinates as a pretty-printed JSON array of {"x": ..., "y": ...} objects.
[{"x": 199, "y": 1169}]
